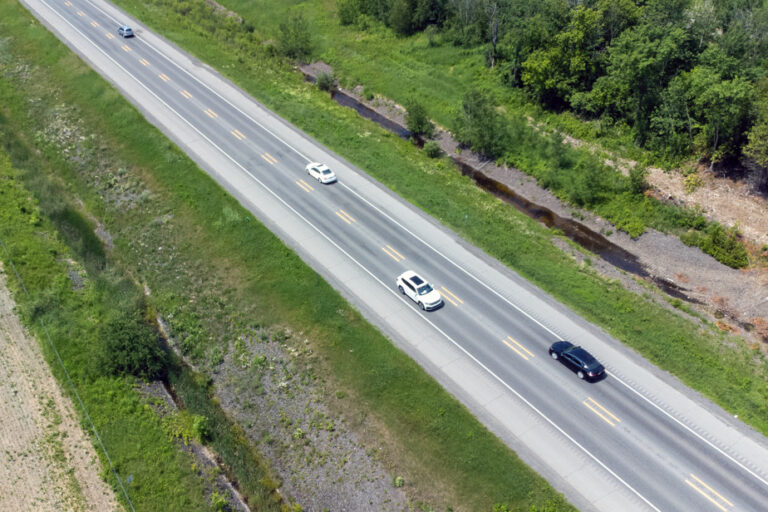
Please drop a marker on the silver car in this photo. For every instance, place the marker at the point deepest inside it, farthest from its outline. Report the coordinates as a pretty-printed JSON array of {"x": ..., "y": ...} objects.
[{"x": 124, "y": 31}]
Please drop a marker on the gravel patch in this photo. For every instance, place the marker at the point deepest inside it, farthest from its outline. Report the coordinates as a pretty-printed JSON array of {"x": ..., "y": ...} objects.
[{"x": 271, "y": 386}]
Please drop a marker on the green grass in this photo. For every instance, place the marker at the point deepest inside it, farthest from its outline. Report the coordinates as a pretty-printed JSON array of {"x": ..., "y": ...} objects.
[
  {"x": 162, "y": 474},
  {"x": 228, "y": 272}
]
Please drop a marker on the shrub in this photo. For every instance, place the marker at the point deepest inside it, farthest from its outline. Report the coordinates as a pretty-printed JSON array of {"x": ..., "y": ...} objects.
[
  {"x": 692, "y": 182},
  {"x": 480, "y": 126},
  {"x": 218, "y": 502},
  {"x": 417, "y": 120},
  {"x": 325, "y": 81},
  {"x": 348, "y": 11},
  {"x": 720, "y": 243},
  {"x": 637, "y": 179},
  {"x": 294, "y": 38},
  {"x": 131, "y": 347},
  {"x": 432, "y": 149},
  {"x": 398, "y": 481}
]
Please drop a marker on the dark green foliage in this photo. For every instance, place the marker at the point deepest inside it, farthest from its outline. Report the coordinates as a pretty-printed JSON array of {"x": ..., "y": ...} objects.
[
  {"x": 326, "y": 82},
  {"x": 637, "y": 179},
  {"x": 417, "y": 119},
  {"x": 294, "y": 38},
  {"x": 432, "y": 149},
  {"x": 348, "y": 11},
  {"x": 130, "y": 346},
  {"x": 723, "y": 244},
  {"x": 401, "y": 18},
  {"x": 481, "y": 127},
  {"x": 758, "y": 135},
  {"x": 679, "y": 73}
]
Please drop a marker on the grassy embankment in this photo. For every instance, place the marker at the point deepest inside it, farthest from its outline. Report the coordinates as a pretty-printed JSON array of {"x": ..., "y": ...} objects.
[
  {"x": 439, "y": 75},
  {"x": 75, "y": 288},
  {"x": 213, "y": 271},
  {"x": 731, "y": 374}
]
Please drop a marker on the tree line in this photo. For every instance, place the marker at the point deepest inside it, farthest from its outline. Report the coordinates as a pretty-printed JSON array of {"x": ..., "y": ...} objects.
[{"x": 685, "y": 76}]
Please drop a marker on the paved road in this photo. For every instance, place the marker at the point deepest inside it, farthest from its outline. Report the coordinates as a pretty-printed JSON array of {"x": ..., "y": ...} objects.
[{"x": 637, "y": 440}]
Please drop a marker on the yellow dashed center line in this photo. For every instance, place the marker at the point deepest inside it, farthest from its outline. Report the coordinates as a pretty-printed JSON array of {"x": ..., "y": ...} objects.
[
  {"x": 306, "y": 186},
  {"x": 126, "y": 48},
  {"x": 711, "y": 490},
  {"x": 211, "y": 113},
  {"x": 392, "y": 253},
  {"x": 80, "y": 13},
  {"x": 513, "y": 340},
  {"x": 397, "y": 253},
  {"x": 454, "y": 297},
  {"x": 186, "y": 94},
  {"x": 345, "y": 216},
  {"x": 144, "y": 62},
  {"x": 515, "y": 349},
  {"x": 110, "y": 36},
  {"x": 269, "y": 159},
  {"x": 238, "y": 134},
  {"x": 94, "y": 23},
  {"x": 606, "y": 415},
  {"x": 68, "y": 3},
  {"x": 164, "y": 77}
]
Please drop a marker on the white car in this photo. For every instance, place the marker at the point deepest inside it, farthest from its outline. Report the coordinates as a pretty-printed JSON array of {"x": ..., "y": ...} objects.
[
  {"x": 419, "y": 290},
  {"x": 321, "y": 172}
]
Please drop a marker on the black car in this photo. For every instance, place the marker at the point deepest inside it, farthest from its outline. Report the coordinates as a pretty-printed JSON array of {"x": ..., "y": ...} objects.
[{"x": 577, "y": 359}]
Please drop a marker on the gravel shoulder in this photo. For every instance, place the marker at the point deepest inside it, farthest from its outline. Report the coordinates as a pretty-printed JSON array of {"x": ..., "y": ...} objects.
[{"x": 47, "y": 462}]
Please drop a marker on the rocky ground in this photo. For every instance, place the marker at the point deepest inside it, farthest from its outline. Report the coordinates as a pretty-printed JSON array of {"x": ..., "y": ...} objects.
[
  {"x": 47, "y": 461},
  {"x": 736, "y": 300}
]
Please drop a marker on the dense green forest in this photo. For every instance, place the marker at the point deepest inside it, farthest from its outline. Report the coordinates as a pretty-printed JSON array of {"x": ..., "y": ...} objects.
[{"x": 687, "y": 77}]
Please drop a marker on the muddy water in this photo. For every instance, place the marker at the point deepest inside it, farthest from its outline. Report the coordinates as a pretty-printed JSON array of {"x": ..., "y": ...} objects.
[{"x": 579, "y": 233}]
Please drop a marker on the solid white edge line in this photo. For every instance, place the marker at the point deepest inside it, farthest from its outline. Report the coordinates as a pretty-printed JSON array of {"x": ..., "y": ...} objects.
[
  {"x": 689, "y": 429},
  {"x": 384, "y": 214}
]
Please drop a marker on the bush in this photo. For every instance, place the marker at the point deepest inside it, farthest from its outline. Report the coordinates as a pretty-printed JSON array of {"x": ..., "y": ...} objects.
[
  {"x": 325, "y": 81},
  {"x": 432, "y": 149},
  {"x": 720, "y": 243},
  {"x": 637, "y": 179},
  {"x": 294, "y": 38},
  {"x": 417, "y": 120},
  {"x": 348, "y": 11},
  {"x": 481, "y": 127},
  {"x": 131, "y": 347}
]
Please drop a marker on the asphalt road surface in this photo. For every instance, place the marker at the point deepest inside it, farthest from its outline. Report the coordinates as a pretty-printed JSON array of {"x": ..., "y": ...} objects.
[{"x": 637, "y": 440}]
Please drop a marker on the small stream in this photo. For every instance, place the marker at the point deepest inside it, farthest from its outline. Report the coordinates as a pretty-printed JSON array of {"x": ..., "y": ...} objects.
[{"x": 579, "y": 233}]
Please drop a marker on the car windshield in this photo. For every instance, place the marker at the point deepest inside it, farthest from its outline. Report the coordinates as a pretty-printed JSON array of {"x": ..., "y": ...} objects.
[
  {"x": 326, "y": 171},
  {"x": 424, "y": 289}
]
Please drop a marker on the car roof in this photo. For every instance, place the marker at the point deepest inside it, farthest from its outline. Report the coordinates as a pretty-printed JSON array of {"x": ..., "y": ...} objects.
[
  {"x": 413, "y": 277},
  {"x": 582, "y": 355}
]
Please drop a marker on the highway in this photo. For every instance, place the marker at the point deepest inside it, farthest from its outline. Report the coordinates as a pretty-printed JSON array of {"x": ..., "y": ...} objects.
[{"x": 637, "y": 440}]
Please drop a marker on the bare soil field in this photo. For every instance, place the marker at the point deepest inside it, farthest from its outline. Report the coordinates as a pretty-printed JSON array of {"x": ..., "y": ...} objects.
[{"x": 47, "y": 461}]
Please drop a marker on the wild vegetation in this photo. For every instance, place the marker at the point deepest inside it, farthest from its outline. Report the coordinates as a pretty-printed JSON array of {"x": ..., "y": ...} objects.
[{"x": 681, "y": 74}]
